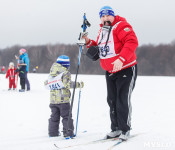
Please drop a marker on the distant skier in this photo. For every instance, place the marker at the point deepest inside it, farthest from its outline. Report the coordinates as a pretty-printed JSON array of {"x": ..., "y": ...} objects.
[
  {"x": 59, "y": 83},
  {"x": 3, "y": 69},
  {"x": 22, "y": 71},
  {"x": 25, "y": 58},
  {"x": 11, "y": 75},
  {"x": 34, "y": 70}
]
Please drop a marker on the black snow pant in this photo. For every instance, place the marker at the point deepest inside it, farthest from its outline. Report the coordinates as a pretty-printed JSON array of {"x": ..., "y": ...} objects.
[
  {"x": 22, "y": 83},
  {"x": 119, "y": 88},
  {"x": 27, "y": 81},
  {"x": 57, "y": 111}
]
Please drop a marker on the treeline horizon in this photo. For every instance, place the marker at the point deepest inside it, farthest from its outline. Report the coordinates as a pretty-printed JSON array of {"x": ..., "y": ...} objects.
[{"x": 153, "y": 60}]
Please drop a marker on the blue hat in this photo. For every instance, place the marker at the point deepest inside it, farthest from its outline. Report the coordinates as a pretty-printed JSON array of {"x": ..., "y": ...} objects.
[
  {"x": 64, "y": 61},
  {"x": 106, "y": 10}
]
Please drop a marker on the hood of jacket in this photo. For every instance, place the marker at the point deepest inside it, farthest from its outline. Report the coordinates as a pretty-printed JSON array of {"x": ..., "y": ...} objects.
[{"x": 57, "y": 69}]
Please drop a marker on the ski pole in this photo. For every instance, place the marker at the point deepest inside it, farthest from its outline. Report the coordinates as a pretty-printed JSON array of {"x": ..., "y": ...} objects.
[
  {"x": 84, "y": 26},
  {"x": 78, "y": 112}
]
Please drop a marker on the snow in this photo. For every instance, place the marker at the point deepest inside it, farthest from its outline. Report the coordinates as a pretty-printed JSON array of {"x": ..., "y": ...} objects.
[{"x": 24, "y": 116}]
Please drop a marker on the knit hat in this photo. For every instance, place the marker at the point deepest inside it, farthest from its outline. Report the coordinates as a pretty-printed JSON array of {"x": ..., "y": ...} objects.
[
  {"x": 11, "y": 64},
  {"x": 64, "y": 61},
  {"x": 106, "y": 10},
  {"x": 22, "y": 50}
]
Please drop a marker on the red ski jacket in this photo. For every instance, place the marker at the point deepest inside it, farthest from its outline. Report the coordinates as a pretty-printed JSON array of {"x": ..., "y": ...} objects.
[
  {"x": 121, "y": 45},
  {"x": 11, "y": 74}
]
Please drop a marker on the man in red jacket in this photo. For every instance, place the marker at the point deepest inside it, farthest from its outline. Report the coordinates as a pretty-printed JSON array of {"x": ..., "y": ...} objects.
[
  {"x": 117, "y": 43},
  {"x": 11, "y": 74}
]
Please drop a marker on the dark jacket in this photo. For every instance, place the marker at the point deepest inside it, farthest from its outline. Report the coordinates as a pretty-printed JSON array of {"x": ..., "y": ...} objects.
[{"x": 22, "y": 70}]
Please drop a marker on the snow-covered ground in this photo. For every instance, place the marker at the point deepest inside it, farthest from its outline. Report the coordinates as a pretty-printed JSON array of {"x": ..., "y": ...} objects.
[{"x": 24, "y": 116}]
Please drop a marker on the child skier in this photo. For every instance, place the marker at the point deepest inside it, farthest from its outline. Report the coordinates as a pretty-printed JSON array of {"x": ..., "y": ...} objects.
[
  {"x": 11, "y": 75},
  {"x": 22, "y": 71},
  {"x": 59, "y": 83}
]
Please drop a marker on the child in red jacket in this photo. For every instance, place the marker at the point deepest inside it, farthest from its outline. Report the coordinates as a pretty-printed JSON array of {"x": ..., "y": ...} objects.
[{"x": 11, "y": 74}]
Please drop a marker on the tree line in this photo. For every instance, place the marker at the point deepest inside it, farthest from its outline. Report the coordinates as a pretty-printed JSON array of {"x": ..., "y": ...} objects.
[{"x": 152, "y": 60}]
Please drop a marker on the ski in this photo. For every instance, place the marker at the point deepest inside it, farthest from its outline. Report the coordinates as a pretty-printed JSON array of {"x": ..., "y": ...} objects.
[
  {"x": 87, "y": 143},
  {"x": 118, "y": 142}
]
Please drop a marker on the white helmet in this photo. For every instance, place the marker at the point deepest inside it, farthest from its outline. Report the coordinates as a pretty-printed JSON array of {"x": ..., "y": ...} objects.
[{"x": 11, "y": 64}]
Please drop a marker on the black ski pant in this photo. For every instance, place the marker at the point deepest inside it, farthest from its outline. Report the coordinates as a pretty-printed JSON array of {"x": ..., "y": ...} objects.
[
  {"x": 57, "y": 111},
  {"x": 119, "y": 88},
  {"x": 27, "y": 81},
  {"x": 22, "y": 83}
]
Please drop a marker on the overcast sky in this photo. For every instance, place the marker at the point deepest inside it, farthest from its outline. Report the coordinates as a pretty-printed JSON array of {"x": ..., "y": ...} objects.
[{"x": 33, "y": 22}]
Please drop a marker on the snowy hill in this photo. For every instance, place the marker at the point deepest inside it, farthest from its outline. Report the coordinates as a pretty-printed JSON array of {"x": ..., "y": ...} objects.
[{"x": 24, "y": 116}]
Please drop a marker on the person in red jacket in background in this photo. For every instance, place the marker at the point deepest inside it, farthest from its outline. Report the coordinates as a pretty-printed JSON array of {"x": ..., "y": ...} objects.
[
  {"x": 2, "y": 69},
  {"x": 11, "y": 75},
  {"x": 116, "y": 44}
]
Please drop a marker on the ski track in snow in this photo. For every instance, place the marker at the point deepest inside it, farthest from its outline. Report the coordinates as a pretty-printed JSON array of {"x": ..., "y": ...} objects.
[{"x": 24, "y": 116}]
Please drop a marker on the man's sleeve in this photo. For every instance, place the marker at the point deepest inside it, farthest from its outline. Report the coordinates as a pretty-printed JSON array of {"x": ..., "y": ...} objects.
[
  {"x": 129, "y": 40},
  {"x": 91, "y": 43}
]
